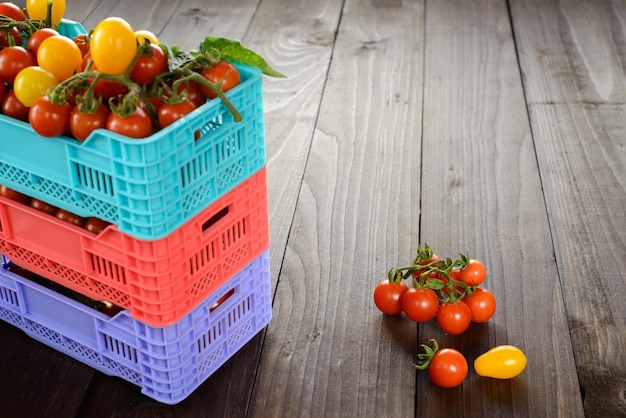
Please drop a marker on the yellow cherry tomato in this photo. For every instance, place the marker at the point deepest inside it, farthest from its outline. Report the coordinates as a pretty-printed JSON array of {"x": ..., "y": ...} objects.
[
  {"x": 38, "y": 9},
  {"x": 113, "y": 45},
  {"x": 59, "y": 55},
  {"x": 32, "y": 83},
  {"x": 501, "y": 362},
  {"x": 143, "y": 35}
]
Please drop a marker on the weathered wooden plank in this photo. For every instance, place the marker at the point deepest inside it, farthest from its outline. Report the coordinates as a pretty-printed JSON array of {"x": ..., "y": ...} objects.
[
  {"x": 582, "y": 156},
  {"x": 328, "y": 351},
  {"x": 36, "y": 380},
  {"x": 482, "y": 194},
  {"x": 573, "y": 51}
]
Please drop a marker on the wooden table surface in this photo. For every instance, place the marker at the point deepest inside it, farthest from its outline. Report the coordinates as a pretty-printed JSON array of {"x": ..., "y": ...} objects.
[{"x": 491, "y": 127}]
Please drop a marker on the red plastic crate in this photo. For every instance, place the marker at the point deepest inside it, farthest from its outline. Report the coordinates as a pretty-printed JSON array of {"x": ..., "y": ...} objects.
[{"x": 157, "y": 281}]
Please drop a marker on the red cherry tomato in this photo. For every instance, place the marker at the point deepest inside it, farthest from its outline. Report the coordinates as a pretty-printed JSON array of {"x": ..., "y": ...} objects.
[
  {"x": 49, "y": 119},
  {"x": 70, "y": 217},
  {"x": 13, "y": 11},
  {"x": 82, "y": 40},
  {"x": 482, "y": 304},
  {"x": 146, "y": 68},
  {"x": 474, "y": 273},
  {"x": 454, "y": 318},
  {"x": 44, "y": 207},
  {"x": 83, "y": 124},
  {"x": 193, "y": 92},
  {"x": 12, "y": 107},
  {"x": 388, "y": 296},
  {"x": 170, "y": 113},
  {"x": 137, "y": 125},
  {"x": 420, "y": 304},
  {"x": 14, "y": 195},
  {"x": 448, "y": 368},
  {"x": 14, "y": 59},
  {"x": 5, "y": 37},
  {"x": 223, "y": 72}
]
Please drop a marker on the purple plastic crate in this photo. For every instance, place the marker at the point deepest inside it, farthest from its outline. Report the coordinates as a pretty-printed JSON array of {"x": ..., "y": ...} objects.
[{"x": 169, "y": 362}]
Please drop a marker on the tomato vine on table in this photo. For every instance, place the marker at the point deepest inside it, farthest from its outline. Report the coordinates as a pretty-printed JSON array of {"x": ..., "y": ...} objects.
[
  {"x": 114, "y": 77},
  {"x": 450, "y": 292}
]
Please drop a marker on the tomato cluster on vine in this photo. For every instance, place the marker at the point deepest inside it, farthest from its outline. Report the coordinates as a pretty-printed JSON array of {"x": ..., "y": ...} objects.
[
  {"x": 112, "y": 78},
  {"x": 441, "y": 288}
]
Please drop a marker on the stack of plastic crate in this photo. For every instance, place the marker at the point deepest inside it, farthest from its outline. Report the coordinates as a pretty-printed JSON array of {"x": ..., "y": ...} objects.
[{"x": 184, "y": 257}]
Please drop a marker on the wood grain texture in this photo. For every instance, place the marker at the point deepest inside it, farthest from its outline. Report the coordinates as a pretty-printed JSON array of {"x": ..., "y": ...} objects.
[
  {"x": 583, "y": 164},
  {"x": 482, "y": 194},
  {"x": 297, "y": 38},
  {"x": 328, "y": 351},
  {"x": 36, "y": 380},
  {"x": 573, "y": 51}
]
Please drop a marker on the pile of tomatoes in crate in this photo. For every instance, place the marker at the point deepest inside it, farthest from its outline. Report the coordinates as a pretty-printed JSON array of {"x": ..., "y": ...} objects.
[
  {"x": 448, "y": 291},
  {"x": 114, "y": 77}
]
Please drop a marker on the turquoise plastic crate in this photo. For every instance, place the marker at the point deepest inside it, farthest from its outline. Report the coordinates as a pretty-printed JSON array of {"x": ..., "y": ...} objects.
[
  {"x": 150, "y": 186},
  {"x": 168, "y": 363}
]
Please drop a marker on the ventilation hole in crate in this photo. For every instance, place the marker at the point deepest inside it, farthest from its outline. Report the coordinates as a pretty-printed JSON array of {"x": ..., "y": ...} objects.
[
  {"x": 45, "y": 333},
  {"x": 120, "y": 349},
  {"x": 227, "y": 177},
  {"x": 228, "y": 147},
  {"x": 9, "y": 296},
  {"x": 194, "y": 169},
  {"x": 233, "y": 234},
  {"x": 81, "y": 350},
  {"x": 241, "y": 333},
  {"x": 212, "y": 125},
  {"x": 106, "y": 268},
  {"x": 239, "y": 311},
  {"x": 234, "y": 260},
  {"x": 205, "y": 341},
  {"x": 203, "y": 283},
  {"x": 94, "y": 179},
  {"x": 9, "y": 316},
  {"x": 202, "y": 258},
  {"x": 216, "y": 355}
]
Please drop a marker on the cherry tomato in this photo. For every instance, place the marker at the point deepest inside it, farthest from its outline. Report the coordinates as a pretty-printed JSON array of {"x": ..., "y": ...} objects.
[
  {"x": 501, "y": 362},
  {"x": 106, "y": 89},
  {"x": 3, "y": 90},
  {"x": 13, "y": 11},
  {"x": 59, "y": 55},
  {"x": 146, "y": 68},
  {"x": 137, "y": 125},
  {"x": 10, "y": 37},
  {"x": 454, "y": 318},
  {"x": 454, "y": 275},
  {"x": 223, "y": 72},
  {"x": 113, "y": 45},
  {"x": 170, "y": 113},
  {"x": 482, "y": 304},
  {"x": 70, "y": 217},
  {"x": 82, "y": 41},
  {"x": 38, "y": 37},
  {"x": 474, "y": 274},
  {"x": 43, "y": 206},
  {"x": 417, "y": 273},
  {"x": 193, "y": 92},
  {"x": 448, "y": 368},
  {"x": 96, "y": 225},
  {"x": 32, "y": 83},
  {"x": 49, "y": 119},
  {"x": 12, "y": 107},
  {"x": 14, "y": 59},
  {"x": 38, "y": 9},
  {"x": 388, "y": 296},
  {"x": 144, "y": 35},
  {"x": 420, "y": 304},
  {"x": 14, "y": 195},
  {"x": 83, "y": 124}
]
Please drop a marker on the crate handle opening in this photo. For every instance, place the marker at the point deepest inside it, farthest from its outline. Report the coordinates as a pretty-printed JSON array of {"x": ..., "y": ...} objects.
[
  {"x": 221, "y": 300},
  {"x": 215, "y": 218}
]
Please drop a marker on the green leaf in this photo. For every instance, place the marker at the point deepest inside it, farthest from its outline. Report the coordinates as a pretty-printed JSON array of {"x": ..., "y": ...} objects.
[
  {"x": 176, "y": 57},
  {"x": 231, "y": 50}
]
